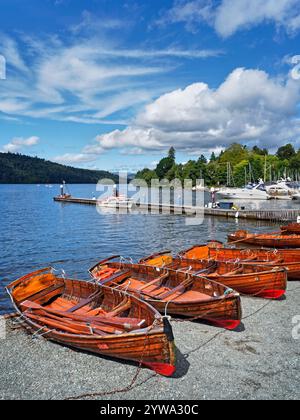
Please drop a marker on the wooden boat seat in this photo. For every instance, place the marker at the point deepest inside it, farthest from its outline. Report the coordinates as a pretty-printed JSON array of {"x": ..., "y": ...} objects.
[
  {"x": 189, "y": 295},
  {"x": 134, "y": 285},
  {"x": 72, "y": 305},
  {"x": 84, "y": 302},
  {"x": 61, "y": 304}
]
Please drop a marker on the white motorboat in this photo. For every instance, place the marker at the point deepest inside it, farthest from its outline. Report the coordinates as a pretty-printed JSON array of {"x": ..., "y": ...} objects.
[
  {"x": 250, "y": 192},
  {"x": 279, "y": 193},
  {"x": 284, "y": 190},
  {"x": 120, "y": 202}
]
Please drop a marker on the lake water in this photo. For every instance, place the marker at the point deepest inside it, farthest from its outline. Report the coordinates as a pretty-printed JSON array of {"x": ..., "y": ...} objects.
[{"x": 36, "y": 232}]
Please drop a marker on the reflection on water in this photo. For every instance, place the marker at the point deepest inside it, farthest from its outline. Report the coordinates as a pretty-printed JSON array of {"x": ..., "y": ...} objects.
[{"x": 36, "y": 232}]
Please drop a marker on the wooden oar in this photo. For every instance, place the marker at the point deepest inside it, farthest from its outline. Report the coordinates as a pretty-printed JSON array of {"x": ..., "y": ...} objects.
[
  {"x": 151, "y": 283},
  {"x": 108, "y": 320},
  {"x": 233, "y": 273},
  {"x": 85, "y": 302},
  {"x": 180, "y": 287},
  {"x": 119, "y": 276},
  {"x": 81, "y": 326}
]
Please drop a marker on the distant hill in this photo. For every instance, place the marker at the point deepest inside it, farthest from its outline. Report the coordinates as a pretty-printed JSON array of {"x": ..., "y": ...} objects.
[{"x": 21, "y": 169}]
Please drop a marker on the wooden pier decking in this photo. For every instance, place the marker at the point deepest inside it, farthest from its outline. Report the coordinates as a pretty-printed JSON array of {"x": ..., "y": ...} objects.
[{"x": 286, "y": 215}]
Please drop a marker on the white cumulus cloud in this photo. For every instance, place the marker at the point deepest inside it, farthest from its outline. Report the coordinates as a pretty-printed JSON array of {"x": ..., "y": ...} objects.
[{"x": 249, "y": 106}]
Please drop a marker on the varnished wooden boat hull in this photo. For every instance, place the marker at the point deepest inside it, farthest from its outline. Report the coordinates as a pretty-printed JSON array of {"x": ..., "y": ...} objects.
[
  {"x": 255, "y": 280},
  {"x": 227, "y": 315},
  {"x": 291, "y": 229},
  {"x": 266, "y": 240},
  {"x": 247, "y": 279},
  {"x": 152, "y": 345},
  {"x": 220, "y": 306},
  {"x": 288, "y": 259}
]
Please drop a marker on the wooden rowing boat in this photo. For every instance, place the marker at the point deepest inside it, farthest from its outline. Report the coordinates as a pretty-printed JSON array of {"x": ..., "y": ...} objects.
[
  {"x": 248, "y": 279},
  {"x": 94, "y": 318},
  {"x": 269, "y": 240},
  {"x": 293, "y": 228},
  {"x": 173, "y": 292},
  {"x": 289, "y": 259}
]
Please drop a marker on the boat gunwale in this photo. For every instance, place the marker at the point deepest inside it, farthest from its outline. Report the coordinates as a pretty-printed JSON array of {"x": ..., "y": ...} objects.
[
  {"x": 276, "y": 268},
  {"x": 233, "y": 294},
  {"x": 157, "y": 316}
]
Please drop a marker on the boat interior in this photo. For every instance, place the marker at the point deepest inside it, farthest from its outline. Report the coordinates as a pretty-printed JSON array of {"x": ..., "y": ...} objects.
[
  {"x": 69, "y": 304},
  {"x": 158, "y": 283}
]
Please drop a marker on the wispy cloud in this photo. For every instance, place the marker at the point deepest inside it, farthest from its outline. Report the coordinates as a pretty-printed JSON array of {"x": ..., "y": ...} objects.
[
  {"x": 9, "y": 49},
  {"x": 91, "y": 24},
  {"x": 83, "y": 80},
  {"x": 229, "y": 16},
  {"x": 19, "y": 143},
  {"x": 74, "y": 158}
]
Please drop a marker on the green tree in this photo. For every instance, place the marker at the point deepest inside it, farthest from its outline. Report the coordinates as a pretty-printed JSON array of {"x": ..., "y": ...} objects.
[
  {"x": 294, "y": 163},
  {"x": 235, "y": 154},
  {"x": 172, "y": 154},
  {"x": 286, "y": 152},
  {"x": 213, "y": 157},
  {"x": 258, "y": 151},
  {"x": 241, "y": 173},
  {"x": 202, "y": 160},
  {"x": 166, "y": 164}
]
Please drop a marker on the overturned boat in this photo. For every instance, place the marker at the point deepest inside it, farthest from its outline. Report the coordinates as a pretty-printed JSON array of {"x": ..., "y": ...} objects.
[
  {"x": 94, "y": 318},
  {"x": 173, "y": 292}
]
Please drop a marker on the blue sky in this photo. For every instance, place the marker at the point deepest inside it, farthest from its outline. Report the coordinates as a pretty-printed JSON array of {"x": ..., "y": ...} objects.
[{"x": 113, "y": 84}]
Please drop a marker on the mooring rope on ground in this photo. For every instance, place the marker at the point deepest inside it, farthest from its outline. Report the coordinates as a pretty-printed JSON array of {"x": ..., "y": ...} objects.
[{"x": 118, "y": 391}]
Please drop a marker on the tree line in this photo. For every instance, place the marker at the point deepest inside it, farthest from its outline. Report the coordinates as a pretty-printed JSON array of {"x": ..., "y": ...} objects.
[
  {"x": 235, "y": 166},
  {"x": 20, "y": 169}
]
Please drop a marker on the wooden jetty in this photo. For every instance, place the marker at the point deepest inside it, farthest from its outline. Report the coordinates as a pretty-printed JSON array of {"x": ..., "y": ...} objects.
[{"x": 265, "y": 215}]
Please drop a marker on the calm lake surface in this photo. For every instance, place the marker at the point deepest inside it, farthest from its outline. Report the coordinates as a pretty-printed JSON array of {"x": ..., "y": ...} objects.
[{"x": 36, "y": 232}]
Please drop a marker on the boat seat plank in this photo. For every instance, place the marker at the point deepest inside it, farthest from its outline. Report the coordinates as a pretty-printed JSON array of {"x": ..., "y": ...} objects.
[
  {"x": 153, "y": 282},
  {"x": 134, "y": 285},
  {"x": 84, "y": 302},
  {"x": 190, "y": 295},
  {"x": 61, "y": 303}
]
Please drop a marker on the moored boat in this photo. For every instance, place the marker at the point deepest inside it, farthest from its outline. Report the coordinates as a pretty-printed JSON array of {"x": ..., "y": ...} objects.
[
  {"x": 173, "y": 292},
  {"x": 268, "y": 240},
  {"x": 293, "y": 228},
  {"x": 248, "y": 279},
  {"x": 119, "y": 202},
  {"x": 289, "y": 259},
  {"x": 94, "y": 318},
  {"x": 257, "y": 192}
]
